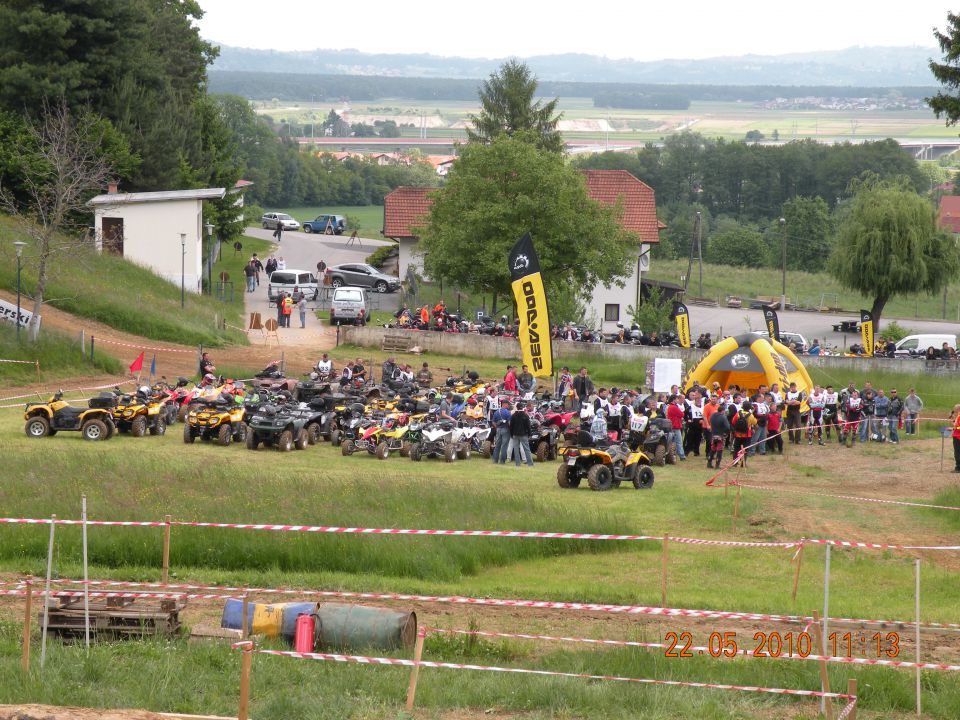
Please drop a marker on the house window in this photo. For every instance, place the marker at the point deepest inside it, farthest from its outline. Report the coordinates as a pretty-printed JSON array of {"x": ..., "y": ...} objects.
[{"x": 611, "y": 313}]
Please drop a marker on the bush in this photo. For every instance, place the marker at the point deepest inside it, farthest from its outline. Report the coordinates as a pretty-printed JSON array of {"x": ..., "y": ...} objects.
[
  {"x": 896, "y": 332},
  {"x": 740, "y": 247},
  {"x": 379, "y": 256}
]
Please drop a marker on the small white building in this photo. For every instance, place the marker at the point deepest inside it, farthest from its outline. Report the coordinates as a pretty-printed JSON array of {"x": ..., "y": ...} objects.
[{"x": 162, "y": 231}]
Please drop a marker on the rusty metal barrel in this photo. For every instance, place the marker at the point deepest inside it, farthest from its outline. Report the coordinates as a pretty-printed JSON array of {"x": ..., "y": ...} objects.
[{"x": 344, "y": 626}]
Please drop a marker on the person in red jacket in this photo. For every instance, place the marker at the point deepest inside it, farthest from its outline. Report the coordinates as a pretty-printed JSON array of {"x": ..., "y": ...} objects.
[
  {"x": 774, "y": 438},
  {"x": 510, "y": 380},
  {"x": 675, "y": 412}
]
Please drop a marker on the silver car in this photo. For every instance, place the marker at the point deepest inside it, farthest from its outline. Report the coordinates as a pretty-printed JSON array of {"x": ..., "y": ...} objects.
[
  {"x": 362, "y": 275},
  {"x": 270, "y": 221}
]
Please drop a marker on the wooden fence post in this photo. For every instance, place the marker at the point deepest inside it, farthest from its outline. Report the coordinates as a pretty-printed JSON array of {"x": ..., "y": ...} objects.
[
  {"x": 824, "y": 677},
  {"x": 852, "y": 690},
  {"x": 415, "y": 670},
  {"x": 165, "y": 575},
  {"x": 245, "y": 665},
  {"x": 663, "y": 572},
  {"x": 27, "y": 619}
]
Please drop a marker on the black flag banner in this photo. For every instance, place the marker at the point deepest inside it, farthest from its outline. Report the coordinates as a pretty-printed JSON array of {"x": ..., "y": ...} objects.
[
  {"x": 534, "y": 331},
  {"x": 866, "y": 332},
  {"x": 772, "y": 321},
  {"x": 682, "y": 317}
]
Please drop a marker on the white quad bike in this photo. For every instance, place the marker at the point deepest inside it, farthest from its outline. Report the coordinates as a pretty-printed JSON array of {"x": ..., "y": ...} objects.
[
  {"x": 478, "y": 438},
  {"x": 440, "y": 439}
]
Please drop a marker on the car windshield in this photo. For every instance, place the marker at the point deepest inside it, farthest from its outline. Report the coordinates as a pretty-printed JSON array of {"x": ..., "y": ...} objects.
[
  {"x": 348, "y": 296},
  {"x": 369, "y": 269},
  {"x": 284, "y": 216}
]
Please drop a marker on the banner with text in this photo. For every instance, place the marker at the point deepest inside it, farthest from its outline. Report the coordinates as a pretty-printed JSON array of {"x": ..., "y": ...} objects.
[
  {"x": 534, "y": 331},
  {"x": 8, "y": 312},
  {"x": 866, "y": 332}
]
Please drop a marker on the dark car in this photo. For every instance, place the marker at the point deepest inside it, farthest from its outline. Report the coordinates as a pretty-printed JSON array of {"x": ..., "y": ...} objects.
[
  {"x": 362, "y": 275},
  {"x": 326, "y": 224}
]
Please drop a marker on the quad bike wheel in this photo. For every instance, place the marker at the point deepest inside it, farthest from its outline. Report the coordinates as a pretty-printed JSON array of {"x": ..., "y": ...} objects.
[
  {"x": 600, "y": 477},
  {"x": 347, "y": 448},
  {"x": 486, "y": 449},
  {"x": 224, "y": 434},
  {"x": 450, "y": 453},
  {"x": 405, "y": 449},
  {"x": 564, "y": 478},
  {"x": 252, "y": 442},
  {"x": 188, "y": 436},
  {"x": 416, "y": 452},
  {"x": 552, "y": 453},
  {"x": 111, "y": 430},
  {"x": 285, "y": 441},
  {"x": 240, "y": 432},
  {"x": 313, "y": 433},
  {"x": 660, "y": 456},
  {"x": 463, "y": 451},
  {"x": 184, "y": 411},
  {"x": 543, "y": 451},
  {"x": 94, "y": 430},
  {"x": 302, "y": 440},
  {"x": 138, "y": 427},
  {"x": 159, "y": 427},
  {"x": 643, "y": 480},
  {"x": 335, "y": 435},
  {"x": 37, "y": 427},
  {"x": 383, "y": 451},
  {"x": 672, "y": 456}
]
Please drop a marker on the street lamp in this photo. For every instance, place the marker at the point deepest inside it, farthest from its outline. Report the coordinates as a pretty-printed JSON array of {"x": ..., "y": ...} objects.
[
  {"x": 209, "y": 227},
  {"x": 183, "y": 267},
  {"x": 19, "y": 245},
  {"x": 783, "y": 256}
]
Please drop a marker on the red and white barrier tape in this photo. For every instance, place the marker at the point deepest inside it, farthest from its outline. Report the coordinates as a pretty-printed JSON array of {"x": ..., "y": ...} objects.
[
  {"x": 703, "y": 650},
  {"x": 21, "y": 362},
  {"x": 364, "y": 660},
  {"x": 143, "y": 347},
  {"x": 72, "y": 390},
  {"x": 849, "y": 497}
]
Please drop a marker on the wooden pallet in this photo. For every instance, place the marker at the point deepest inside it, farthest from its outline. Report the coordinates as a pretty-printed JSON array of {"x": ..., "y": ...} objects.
[
  {"x": 397, "y": 343},
  {"x": 112, "y": 618}
]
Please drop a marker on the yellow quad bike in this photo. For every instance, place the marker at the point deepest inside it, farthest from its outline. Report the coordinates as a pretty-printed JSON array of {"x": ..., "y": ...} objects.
[
  {"x": 393, "y": 436},
  {"x": 221, "y": 420},
  {"x": 604, "y": 466},
  {"x": 140, "y": 412},
  {"x": 95, "y": 422}
]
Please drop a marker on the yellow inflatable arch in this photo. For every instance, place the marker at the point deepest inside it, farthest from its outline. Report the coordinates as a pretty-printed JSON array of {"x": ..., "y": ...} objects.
[{"x": 749, "y": 361}]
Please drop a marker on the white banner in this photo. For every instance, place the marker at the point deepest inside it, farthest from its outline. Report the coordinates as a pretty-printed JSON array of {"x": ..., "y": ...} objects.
[
  {"x": 8, "y": 313},
  {"x": 667, "y": 372}
]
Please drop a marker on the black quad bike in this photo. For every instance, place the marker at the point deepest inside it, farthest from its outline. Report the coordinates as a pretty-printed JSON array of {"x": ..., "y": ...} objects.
[{"x": 279, "y": 426}]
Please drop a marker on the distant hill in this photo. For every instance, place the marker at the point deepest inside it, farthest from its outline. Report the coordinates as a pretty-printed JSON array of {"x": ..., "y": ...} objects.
[{"x": 854, "y": 66}]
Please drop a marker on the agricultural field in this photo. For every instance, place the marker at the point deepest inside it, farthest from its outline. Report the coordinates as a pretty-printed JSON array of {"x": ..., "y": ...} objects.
[{"x": 147, "y": 478}]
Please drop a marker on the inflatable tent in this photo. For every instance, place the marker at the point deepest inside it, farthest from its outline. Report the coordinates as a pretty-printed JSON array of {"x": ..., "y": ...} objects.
[{"x": 750, "y": 361}]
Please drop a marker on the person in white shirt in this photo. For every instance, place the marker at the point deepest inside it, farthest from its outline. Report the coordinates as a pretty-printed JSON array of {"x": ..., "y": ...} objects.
[
  {"x": 758, "y": 441},
  {"x": 281, "y": 264},
  {"x": 816, "y": 402},
  {"x": 694, "y": 412},
  {"x": 831, "y": 411},
  {"x": 324, "y": 368}
]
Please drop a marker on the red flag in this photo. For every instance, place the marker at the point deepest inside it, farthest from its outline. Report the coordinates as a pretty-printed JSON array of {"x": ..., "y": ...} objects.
[{"x": 137, "y": 365}]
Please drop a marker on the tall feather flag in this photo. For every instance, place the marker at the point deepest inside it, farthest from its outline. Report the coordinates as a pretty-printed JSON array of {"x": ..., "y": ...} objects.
[
  {"x": 681, "y": 317},
  {"x": 772, "y": 321},
  {"x": 531, "y": 299},
  {"x": 866, "y": 332},
  {"x": 137, "y": 365}
]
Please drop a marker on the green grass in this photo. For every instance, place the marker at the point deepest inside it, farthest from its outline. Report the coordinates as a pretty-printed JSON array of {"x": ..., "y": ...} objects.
[
  {"x": 807, "y": 289},
  {"x": 127, "y": 297},
  {"x": 59, "y": 356},
  {"x": 370, "y": 217}
]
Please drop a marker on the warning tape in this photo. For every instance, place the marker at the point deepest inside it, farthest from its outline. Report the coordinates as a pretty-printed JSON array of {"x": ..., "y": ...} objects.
[
  {"x": 849, "y": 497},
  {"x": 72, "y": 390},
  {"x": 703, "y": 650},
  {"x": 364, "y": 660},
  {"x": 21, "y": 362},
  {"x": 143, "y": 347}
]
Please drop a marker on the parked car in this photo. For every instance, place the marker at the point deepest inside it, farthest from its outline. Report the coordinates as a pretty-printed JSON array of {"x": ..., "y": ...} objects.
[
  {"x": 788, "y": 338},
  {"x": 362, "y": 275},
  {"x": 349, "y": 305},
  {"x": 326, "y": 224},
  {"x": 270, "y": 220},
  {"x": 918, "y": 344},
  {"x": 287, "y": 280}
]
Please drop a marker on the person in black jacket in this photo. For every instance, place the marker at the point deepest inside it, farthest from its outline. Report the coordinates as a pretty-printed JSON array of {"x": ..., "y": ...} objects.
[{"x": 520, "y": 436}]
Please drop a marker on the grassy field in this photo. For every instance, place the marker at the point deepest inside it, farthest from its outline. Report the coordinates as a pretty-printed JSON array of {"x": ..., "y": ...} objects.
[
  {"x": 59, "y": 356},
  {"x": 807, "y": 289},
  {"x": 130, "y": 298},
  {"x": 153, "y": 476},
  {"x": 370, "y": 217}
]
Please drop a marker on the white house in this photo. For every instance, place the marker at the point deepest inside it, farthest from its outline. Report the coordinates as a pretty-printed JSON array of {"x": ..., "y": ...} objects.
[
  {"x": 406, "y": 207},
  {"x": 162, "y": 231}
]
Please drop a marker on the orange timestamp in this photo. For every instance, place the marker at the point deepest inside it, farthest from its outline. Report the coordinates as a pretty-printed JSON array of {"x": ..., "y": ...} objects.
[{"x": 776, "y": 644}]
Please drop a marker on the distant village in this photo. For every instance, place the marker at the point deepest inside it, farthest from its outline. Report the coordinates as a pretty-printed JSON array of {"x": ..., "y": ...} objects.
[{"x": 891, "y": 101}]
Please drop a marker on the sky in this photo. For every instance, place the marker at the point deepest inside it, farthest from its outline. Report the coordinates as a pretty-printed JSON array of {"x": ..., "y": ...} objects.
[{"x": 613, "y": 28}]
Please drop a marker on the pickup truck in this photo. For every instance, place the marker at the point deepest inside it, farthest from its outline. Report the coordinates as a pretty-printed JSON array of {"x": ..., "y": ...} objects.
[{"x": 326, "y": 224}]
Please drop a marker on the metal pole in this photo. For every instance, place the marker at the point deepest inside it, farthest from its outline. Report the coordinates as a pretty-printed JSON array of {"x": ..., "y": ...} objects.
[
  {"x": 18, "y": 294},
  {"x": 783, "y": 259},
  {"x": 917, "y": 610},
  {"x": 700, "y": 252},
  {"x": 826, "y": 610},
  {"x": 183, "y": 267},
  {"x": 46, "y": 594},
  {"x": 86, "y": 576}
]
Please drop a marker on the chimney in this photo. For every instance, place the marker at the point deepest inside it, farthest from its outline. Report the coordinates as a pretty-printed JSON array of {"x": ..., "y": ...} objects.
[{"x": 112, "y": 188}]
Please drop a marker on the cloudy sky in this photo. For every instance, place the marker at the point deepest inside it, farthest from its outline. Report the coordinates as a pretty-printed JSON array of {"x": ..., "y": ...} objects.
[{"x": 614, "y": 28}]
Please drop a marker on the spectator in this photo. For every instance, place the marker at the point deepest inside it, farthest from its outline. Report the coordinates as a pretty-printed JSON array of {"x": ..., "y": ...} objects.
[
  {"x": 206, "y": 365},
  {"x": 912, "y": 404},
  {"x": 895, "y": 416},
  {"x": 281, "y": 263},
  {"x": 694, "y": 416},
  {"x": 302, "y": 309},
  {"x": 250, "y": 273},
  {"x": 359, "y": 371},
  {"x": 271, "y": 265},
  {"x": 881, "y": 412},
  {"x": 280, "y": 299},
  {"x": 346, "y": 375},
  {"x": 520, "y": 436},
  {"x": 424, "y": 376},
  {"x": 287, "y": 309},
  {"x": 321, "y": 269},
  {"x": 598, "y": 428},
  {"x": 510, "y": 380},
  {"x": 758, "y": 445},
  {"x": 719, "y": 429},
  {"x": 525, "y": 381},
  {"x": 816, "y": 402},
  {"x": 278, "y": 233},
  {"x": 955, "y": 414},
  {"x": 743, "y": 424},
  {"x": 564, "y": 385},
  {"x": 582, "y": 388},
  {"x": 853, "y": 411},
  {"x": 793, "y": 399},
  {"x": 831, "y": 412},
  {"x": 258, "y": 266},
  {"x": 815, "y": 348},
  {"x": 444, "y": 412},
  {"x": 774, "y": 434},
  {"x": 388, "y": 368},
  {"x": 867, "y": 398},
  {"x": 501, "y": 423},
  {"x": 675, "y": 416}
]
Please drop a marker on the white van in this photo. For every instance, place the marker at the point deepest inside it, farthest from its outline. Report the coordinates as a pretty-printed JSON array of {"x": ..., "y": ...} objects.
[
  {"x": 349, "y": 305},
  {"x": 287, "y": 280},
  {"x": 918, "y": 344}
]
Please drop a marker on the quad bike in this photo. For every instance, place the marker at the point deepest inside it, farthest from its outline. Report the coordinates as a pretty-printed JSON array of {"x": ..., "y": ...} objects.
[
  {"x": 604, "y": 465},
  {"x": 543, "y": 440},
  {"x": 95, "y": 422},
  {"x": 440, "y": 439},
  {"x": 313, "y": 386},
  {"x": 272, "y": 378},
  {"x": 655, "y": 441},
  {"x": 221, "y": 420},
  {"x": 142, "y": 411},
  {"x": 280, "y": 426},
  {"x": 478, "y": 435},
  {"x": 173, "y": 396},
  {"x": 365, "y": 435},
  {"x": 394, "y": 436},
  {"x": 345, "y": 421}
]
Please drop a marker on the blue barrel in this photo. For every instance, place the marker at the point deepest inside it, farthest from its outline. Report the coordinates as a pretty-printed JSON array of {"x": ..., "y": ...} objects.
[
  {"x": 271, "y": 620},
  {"x": 343, "y": 626}
]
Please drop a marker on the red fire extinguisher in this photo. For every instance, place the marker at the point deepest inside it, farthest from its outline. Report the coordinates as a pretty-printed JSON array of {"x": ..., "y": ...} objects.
[{"x": 303, "y": 637}]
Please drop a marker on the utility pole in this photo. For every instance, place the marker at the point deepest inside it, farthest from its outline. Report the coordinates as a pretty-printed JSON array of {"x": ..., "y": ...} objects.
[{"x": 783, "y": 249}]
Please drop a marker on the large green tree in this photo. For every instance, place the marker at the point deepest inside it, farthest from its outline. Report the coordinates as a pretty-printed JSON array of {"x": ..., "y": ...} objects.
[
  {"x": 945, "y": 104},
  {"x": 809, "y": 231},
  {"x": 888, "y": 243},
  {"x": 507, "y": 107},
  {"x": 494, "y": 194}
]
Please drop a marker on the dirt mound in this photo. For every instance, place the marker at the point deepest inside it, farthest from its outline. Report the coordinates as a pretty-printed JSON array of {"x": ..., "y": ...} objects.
[{"x": 50, "y": 712}]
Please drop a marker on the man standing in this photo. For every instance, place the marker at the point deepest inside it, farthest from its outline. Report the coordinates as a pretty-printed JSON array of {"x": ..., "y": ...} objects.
[
  {"x": 302, "y": 309},
  {"x": 424, "y": 376},
  {"x": 520, "y": 436},
  {"x": 955, "y": 414},
  {"x": 718, "y": 427},
  {"x": 853, "y": 411},
  {"x": 694, "y": 413},
  {"x": 894, "y": 416},
  {"x": 250, "y": 273},
  {"x": 525, "y": 381},
  {"x": 817, "y": 402},
  {"x": 743, "y": 424},
  {"x": 881, "y": 412},
  {"x": 278, "y": 233},
  {"x": 206, "y": 365},
  {"x": 501, "y": 422},
  {"x": 793, "y": 400},
  {"x": 867, "y": 398},
  {"x": 831, "y": 410},
  {"x": 760, "y": 411},
  {"x": 510, "y": 380},
  {"x": 582, "y": 388},
  {"x": 258, "y": 266},
  {"x": 912, "y": 404},
  {"x": 675, "y": 416}
]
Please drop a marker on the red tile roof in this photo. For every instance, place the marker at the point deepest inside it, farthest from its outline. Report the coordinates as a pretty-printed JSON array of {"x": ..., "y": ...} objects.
[
  {"x": 950, "y": 213},
  {"x": 639, "y": 204},
  {"x": 406, "y": 206},
  {"x": 403, "y": 208}
]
